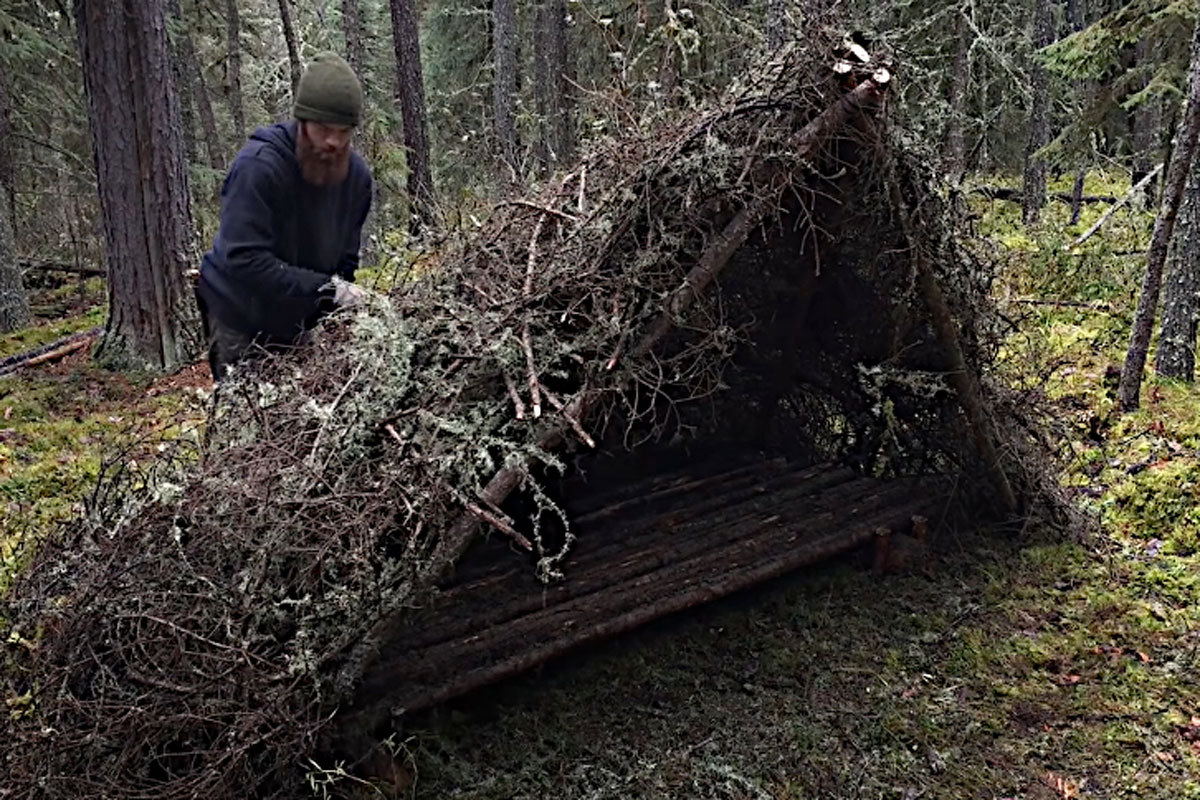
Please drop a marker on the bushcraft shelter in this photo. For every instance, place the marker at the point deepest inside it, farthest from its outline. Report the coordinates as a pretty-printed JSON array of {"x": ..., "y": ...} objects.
[{"x": 714, "y": 351}]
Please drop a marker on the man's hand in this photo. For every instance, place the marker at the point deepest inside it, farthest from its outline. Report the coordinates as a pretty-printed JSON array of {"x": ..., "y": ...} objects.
[{"x": 347, "y": 295}]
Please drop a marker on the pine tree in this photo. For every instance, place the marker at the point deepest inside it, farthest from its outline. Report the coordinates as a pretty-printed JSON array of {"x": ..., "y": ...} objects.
[
  {"x": 14, "y": 304},
  {"x": 504, "y": 90},
  {"x": 1039, "y": 116},
  {"x": 410, "y": 93},
  {"x": 133, "y": 109}
]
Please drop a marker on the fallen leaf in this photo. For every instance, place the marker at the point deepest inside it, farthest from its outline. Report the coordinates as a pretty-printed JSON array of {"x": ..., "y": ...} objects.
[
  {"x": 1068, "y": 680},
  {"x": 1164, "y": 756},
  {"x": 1145, "y": 659},
  {"x": 1065, "y": 787}
]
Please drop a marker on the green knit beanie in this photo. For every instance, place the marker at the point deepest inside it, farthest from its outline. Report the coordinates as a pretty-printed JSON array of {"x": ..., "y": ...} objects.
[{"x": 329, "y": 92}]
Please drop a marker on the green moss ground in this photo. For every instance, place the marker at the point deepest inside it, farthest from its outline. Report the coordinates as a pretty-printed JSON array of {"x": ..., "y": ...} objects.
[{"x": 59, "y": 422}]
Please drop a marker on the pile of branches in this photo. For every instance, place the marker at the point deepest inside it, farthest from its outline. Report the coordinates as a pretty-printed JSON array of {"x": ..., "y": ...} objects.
[{"x": 195, "y": 632}]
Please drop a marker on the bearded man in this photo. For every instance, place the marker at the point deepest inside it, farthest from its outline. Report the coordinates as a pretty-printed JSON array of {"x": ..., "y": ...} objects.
[{"x": 292, "y": 211}]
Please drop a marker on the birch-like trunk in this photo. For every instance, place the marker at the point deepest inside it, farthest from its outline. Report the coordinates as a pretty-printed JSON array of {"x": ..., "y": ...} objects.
[
  {"x": 1176, "y": 356},
  {"x": 1173, "y": 188}
]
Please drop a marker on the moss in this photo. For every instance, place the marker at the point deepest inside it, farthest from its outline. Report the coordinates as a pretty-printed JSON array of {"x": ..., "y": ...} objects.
[{"x": 46, "y": 332}]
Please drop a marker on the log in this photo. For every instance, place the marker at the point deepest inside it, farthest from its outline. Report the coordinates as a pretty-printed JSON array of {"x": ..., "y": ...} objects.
[
  {"x": 1015, "y": 195},
  {"x": 962, "y": 377},
  {"x": 668, "y": 538},
  {"x": 501, "y": 653},
  {"x": 28, "y": 265},
  {"x": 1120, "y": 204},
  {"x": 48, "y": 352}
]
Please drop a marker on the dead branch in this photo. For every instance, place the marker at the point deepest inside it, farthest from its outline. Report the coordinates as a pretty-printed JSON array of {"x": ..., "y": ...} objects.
[
  {"x": 1132, "y": 193},
  {"x": 49, "y": 352}
]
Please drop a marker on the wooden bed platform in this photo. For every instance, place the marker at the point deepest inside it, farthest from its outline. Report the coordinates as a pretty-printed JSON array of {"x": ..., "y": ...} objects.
[{"x": 644, "y": 551}]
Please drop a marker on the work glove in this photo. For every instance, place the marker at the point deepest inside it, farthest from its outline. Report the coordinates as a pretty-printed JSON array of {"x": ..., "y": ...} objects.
[{"x": 348, "y": 295}]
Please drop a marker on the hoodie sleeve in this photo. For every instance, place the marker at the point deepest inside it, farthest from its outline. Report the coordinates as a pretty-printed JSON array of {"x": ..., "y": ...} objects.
[
  {"x": 246, "y": 233},
  {"x": 349, "y": 260}
]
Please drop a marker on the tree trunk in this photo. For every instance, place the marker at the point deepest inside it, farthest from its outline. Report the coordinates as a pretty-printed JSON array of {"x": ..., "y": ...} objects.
[
  {"x": 1076, "y": 21},
  {"x": 14, "y": 303},
  {"x": 956, "y": 149},
  {"x": 1039, "y": 116},
  {"x": 192, "y": 84},
  {"x": 1164, "y": 225},
  {"x": 352, "y": 30},
  {"x": 289, "y": 35},
  {"x": 1145, "y": 130},
  {"x": 133, "y": 110},
  {"x": 551, "y": 77},
  {"x": 187, "y": 108},
  {"x": 233, "y": 68},
  {"x": 504, "y": 92},
  {"x": 668, "y": 72},
  {"x": 777, "y": 24},
  {"x": 1181, "y": 294},
  {"x": 410, "y": 94}
]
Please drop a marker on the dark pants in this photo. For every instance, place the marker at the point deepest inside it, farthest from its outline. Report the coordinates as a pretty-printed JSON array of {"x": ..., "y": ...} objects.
[{"x": 226, "y": 344}]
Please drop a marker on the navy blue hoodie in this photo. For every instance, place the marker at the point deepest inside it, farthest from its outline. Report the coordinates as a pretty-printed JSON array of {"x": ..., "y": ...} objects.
[{"x": 281, "y": 239}]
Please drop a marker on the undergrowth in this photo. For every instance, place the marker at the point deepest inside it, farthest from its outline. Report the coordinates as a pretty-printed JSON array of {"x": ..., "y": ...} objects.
[{"x": 1030, "y": 668}]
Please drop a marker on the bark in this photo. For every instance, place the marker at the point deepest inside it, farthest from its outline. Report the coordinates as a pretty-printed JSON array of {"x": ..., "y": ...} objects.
[
  {"x": 208, "y": 119},
  {"x": 668, "y": 73},
  {"x": 1039, "y": 117},
  {"x": 1181, "y": 294},
  {"x": 1164, "y": 225},
  {"x": 1077, "y": 194},
  {"x": 552, "y": 72},
  {"x": 191, "y": 83},
  {"x": 956, "y": 149},
  {"x": 289, "y": 35},
  {"x": 504, "y": 91},
  {"x": 410, "y": 94},
  {"x": 1075, "y": 22},
  {"x": 352, "y": 30},
  {"x": 233, "y": 67},
  {"x": 777, "y": 24},
  {"x": 1145, "y": 130},
  {"x": 14, "y": 303},
  {"x": 133, "y": 111},
  {"x": 187, "y": 107}
]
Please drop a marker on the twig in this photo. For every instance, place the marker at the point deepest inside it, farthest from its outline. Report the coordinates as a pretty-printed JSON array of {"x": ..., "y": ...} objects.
[
  {"x": 516, "y": 398},
  {"x": 1120, "y": 204},
  {"x": 544, "y": 209},
  {"x": 531, "y": 368},
  {"x": 581, "y": 206},
  {"x": 499, "y": 524},
  {"x": 571, "y": 420},
  {"x": 526, "y": 335}
]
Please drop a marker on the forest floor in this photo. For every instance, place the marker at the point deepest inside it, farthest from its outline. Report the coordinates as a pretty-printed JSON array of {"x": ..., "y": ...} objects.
[{"x": 1026, "y": 667}]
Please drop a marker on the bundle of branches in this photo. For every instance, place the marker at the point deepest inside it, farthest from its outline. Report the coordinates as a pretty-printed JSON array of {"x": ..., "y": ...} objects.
[{"x": 194, "y": 634}]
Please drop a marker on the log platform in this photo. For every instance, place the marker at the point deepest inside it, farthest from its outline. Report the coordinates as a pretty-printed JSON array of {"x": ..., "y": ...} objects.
[{"x": 644, "y": 551}]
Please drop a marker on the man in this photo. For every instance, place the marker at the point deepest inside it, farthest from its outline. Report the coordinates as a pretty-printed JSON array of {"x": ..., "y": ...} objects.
[{"x": 292, "y": 211}]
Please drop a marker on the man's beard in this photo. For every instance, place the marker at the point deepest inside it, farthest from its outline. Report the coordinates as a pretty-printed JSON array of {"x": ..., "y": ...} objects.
[{"x": 321, "y": 168}]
